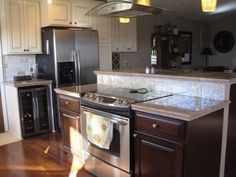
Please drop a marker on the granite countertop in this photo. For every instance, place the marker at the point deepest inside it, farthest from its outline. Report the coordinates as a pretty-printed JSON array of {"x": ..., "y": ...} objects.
[
  {"x": 176, "y": 106},
  {"x": 76, "y": 91},
  {"x": 176, "y": 74},
  {"x": 26, "y": 83},
  {"x": 181, "y": 107}
]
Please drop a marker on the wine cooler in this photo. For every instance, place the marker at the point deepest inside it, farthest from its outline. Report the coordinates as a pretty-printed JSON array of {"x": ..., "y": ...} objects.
[{"x": 34, "y": 110}]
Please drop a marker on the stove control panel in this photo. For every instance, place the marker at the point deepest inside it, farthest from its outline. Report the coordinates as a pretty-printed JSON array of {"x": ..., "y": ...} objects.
[{"x": 106, "y": 100}]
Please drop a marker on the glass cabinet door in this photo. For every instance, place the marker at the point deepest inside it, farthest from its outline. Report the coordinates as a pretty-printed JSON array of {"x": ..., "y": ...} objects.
[
  {"x": 27, "y": 112},
  {"x": 42, "y": 109}
]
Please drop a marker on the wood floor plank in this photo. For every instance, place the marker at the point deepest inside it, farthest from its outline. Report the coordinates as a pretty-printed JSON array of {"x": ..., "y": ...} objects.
[{"x": 40, "y": 156}]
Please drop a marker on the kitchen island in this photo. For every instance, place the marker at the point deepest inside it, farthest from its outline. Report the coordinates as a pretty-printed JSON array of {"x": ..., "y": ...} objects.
[
  {"x": 194, "y": 97},
  {"x": 216, "y": 86}
]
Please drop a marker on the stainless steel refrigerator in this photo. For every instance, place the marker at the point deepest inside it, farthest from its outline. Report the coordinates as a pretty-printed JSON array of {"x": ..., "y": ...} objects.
[{"x": 70, "y": 57}]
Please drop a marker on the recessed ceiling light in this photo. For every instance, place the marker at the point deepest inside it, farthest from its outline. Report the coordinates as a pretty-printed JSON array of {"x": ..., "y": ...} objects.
[
  {"x": 124, "y": 20},
  {"x": 209, "y": 5}
]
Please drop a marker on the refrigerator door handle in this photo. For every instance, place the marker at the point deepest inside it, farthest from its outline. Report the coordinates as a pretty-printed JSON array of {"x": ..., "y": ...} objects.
[
  {"x": 35, "y": 114},
  {"x": 37, "y": 107},
  {"x": 78, "y": 67}
]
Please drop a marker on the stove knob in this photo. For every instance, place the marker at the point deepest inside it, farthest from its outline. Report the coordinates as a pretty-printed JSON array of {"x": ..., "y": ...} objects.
[
  {"x": 125, "y": 102},
  {"x": 119, "y": 101},
  {"x": 92, "y": 95},
  {"x": 87, "y": 95}
]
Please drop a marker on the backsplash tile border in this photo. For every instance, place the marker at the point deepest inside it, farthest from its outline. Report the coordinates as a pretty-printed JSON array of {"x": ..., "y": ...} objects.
[{"x": 202, "y": 89}]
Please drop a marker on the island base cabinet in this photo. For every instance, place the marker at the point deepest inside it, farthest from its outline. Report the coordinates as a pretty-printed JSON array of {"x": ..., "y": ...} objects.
[
  {"x": 71, "y": 133},
  {"x": 70, "y": 126},
  {"x": 167, "y": 147},
  {"x": 156, "y": 157}
]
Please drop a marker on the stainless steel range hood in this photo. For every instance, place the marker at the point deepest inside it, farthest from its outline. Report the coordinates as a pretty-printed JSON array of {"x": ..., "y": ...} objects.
[{"x": 123, "y": 8}]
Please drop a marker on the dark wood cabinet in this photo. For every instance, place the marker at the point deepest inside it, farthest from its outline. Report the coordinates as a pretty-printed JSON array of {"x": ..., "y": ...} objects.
[
  {"x": 70, "y": 122},
  {"x": 166, "y": 147},
  {"x": 156, "y": 157}
]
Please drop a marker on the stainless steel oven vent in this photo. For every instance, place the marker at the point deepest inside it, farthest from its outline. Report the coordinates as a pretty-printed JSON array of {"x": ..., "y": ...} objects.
[{"x": 123, "y": 8}]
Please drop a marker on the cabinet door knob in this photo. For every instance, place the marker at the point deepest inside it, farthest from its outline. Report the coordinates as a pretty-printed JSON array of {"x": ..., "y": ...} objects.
[
  {"x": 27, "y": 50},
  {"x": 75, "y": 22},
  {"x": 24, "y": 50},
  {"x": 70, "y": 22},
  {"x": 154, "y": 125},
  {"x": 128, "y": 48},
  {"x": 135, "y": 135},
  {"x": 67, "y": 102}
]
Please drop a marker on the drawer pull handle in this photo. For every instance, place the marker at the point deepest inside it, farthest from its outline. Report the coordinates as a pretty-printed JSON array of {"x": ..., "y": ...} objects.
[
  {"x": 67, "y": 102},
  {"x": 71, "y": 117},
  {"x": 135, "y": 135},
  {"x": 154, "y": 125}
]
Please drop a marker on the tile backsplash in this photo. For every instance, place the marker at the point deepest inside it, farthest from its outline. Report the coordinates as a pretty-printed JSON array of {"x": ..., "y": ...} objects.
[{"x": 15, "y": 65}]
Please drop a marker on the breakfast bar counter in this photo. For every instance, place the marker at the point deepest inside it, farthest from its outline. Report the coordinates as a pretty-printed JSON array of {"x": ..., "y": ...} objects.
[{"x": 181, "y": 107}]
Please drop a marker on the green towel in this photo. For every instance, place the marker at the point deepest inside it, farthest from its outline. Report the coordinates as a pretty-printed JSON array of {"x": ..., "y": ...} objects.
[{"x": 99, "y": 130}]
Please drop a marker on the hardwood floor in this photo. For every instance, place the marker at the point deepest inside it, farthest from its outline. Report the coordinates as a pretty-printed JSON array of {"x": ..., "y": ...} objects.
[{"x": 40, "y": 156}]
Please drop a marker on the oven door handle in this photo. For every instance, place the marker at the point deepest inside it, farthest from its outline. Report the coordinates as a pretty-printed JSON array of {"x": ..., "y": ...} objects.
[{"x": 117, "y": 122}]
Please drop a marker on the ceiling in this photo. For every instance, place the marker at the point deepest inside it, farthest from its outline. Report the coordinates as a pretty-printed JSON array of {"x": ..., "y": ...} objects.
[{"x": 192, "y": 8}]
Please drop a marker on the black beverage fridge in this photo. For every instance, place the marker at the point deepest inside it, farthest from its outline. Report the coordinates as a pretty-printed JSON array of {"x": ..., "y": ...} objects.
[{"x": 34, "y": 110}]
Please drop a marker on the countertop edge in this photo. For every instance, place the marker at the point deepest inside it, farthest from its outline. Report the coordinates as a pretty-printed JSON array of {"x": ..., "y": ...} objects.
[
  {"x": 27, "y": 83},
  {"x": 75, "y": 91},
  {"x": 67, "y": 93},
  {"x": 177, "y": 113}
]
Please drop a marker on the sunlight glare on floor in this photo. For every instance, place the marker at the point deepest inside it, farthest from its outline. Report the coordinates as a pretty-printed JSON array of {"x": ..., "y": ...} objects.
[
  {"x": 46, "y": 150},
  {"x": 76, "y": 166}
]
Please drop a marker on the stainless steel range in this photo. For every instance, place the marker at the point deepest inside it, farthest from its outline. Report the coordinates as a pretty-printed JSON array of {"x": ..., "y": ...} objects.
[{"x": 108, "y": 154}]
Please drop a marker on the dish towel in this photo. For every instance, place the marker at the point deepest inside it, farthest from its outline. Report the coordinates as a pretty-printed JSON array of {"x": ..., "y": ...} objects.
[{"x": 99, "y": 130}]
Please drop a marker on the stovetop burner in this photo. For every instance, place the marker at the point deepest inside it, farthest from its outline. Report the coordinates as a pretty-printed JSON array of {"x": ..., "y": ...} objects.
[
  {"x": 124, "y": 93},
  {"x": 120, "y": 97}
]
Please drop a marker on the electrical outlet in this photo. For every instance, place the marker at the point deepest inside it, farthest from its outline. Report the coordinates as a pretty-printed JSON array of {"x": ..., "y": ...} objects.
[
  {"x": 126, "y": 63},
  {"x": 21, "y": 73}
]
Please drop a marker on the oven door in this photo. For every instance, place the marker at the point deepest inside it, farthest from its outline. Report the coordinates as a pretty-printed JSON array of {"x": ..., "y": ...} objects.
[{"x": 118, "y": 154}]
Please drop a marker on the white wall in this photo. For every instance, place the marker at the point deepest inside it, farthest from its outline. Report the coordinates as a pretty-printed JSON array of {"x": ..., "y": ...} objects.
[
  {"x": 228, "y": 59},
  {"x": 145, "y": 27}
]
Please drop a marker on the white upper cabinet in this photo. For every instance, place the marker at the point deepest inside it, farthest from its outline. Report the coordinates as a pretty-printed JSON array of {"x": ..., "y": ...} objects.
[
  {"x": 59, "y": 12},
  {"x": 32, "y": 27},
  {"x": 20, "y": 27},
  {"x": 79, "y": 9},
  {"x": 124, "y": 36},
  {"x": 69, "y": 13}
]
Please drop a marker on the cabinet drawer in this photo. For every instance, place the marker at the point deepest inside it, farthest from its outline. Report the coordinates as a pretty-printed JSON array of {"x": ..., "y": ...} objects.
[
  {"x": 69, "y": 103},
  {"x": 157, "y": 124},
  {"x": 71, "y": 133}
]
